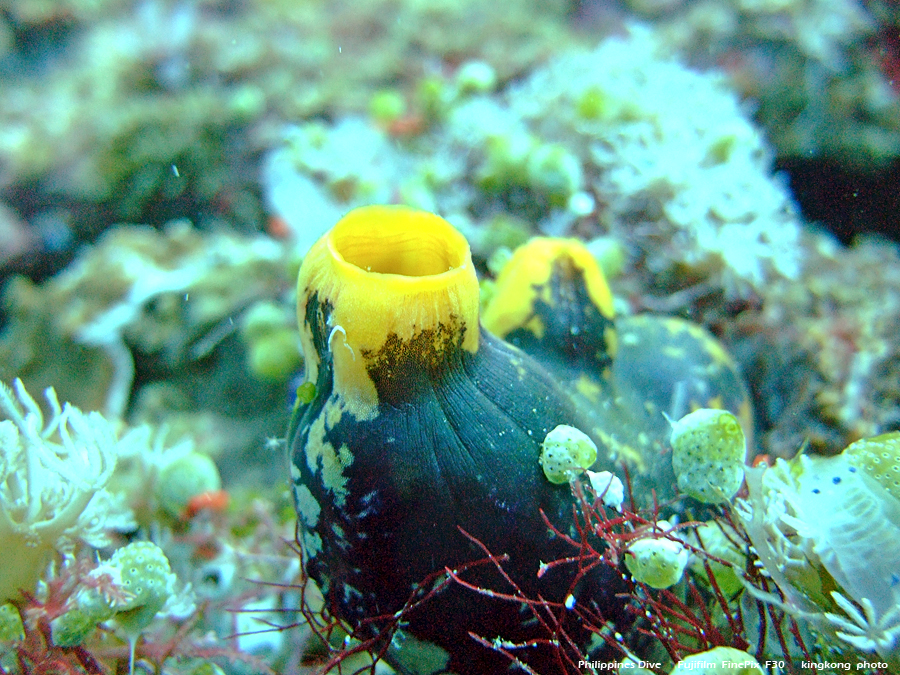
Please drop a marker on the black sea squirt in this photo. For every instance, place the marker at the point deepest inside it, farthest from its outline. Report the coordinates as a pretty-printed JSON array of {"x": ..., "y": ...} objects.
[{"x": 421, "y": 424}]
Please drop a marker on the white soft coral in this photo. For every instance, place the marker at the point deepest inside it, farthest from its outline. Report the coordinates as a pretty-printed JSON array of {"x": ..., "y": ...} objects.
[
  {"x": 865, "y": 630},
  {"x": 817, "y": 522},
  {"x": 52, "y": 485}
]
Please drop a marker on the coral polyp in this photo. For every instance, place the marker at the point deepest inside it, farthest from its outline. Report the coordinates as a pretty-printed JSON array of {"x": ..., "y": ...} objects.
[
  {"x": 53, "y": 480},
  {"x": 828, "y": 532}
]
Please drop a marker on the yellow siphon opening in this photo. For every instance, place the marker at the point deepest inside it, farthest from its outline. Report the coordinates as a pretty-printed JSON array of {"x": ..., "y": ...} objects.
[{"x": 404, "y": 242}]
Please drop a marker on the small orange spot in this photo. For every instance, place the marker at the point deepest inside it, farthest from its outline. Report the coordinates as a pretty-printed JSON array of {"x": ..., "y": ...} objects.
[
  {"x": 407, "y": 125},
  {"x": 278, "y": 227},
  {"x": 207, "y": 551},
  {"x": 212, "y": 500},
  {"x": 761, "y": 460}
]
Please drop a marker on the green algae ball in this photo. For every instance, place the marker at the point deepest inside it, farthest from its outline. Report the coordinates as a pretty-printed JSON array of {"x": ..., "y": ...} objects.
[
  {"x": 148, "y": 579},
  {"x": 708, "y": 450},
  {"x": 275, "y": 357},
  {"x": 718, "y": 540},
  {"x": 566, "y": 450},
  {"x": 387, "y": 105},
  {"x": 659, "y": 563},
  {"x": 476, "y": 77},
  {"x": 11, "y": 627},
  {"x": 593, "y": 104},
  {"x": 554, "y": 171},
  {"x": 185, "y": 478},
  {"x": 306, "y": 393},
  {"x": 434, "y": 95},
  {"x": 71, "y": 629},
  {"x": 878, "y": 458},
  {"x": 505, "y": 164},
  {"x": 273, "y": 350}
]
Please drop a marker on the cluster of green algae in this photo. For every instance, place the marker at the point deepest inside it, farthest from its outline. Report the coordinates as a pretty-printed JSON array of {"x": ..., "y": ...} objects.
[
  {"x": 824, "y": 531},
  {"x": 179, "y": 78},
  {"x": 593, "y": 138}
]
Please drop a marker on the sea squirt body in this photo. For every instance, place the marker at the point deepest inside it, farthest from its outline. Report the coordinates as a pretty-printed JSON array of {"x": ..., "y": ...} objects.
[{"x": 421, "y": 425}]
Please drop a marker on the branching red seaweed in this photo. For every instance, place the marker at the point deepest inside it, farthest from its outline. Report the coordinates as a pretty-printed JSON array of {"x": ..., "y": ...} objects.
[{"x": 693, "y": 616}]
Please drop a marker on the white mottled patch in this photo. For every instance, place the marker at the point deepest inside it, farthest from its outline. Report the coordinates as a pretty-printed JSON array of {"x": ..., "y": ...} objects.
[
  {"x": 334, "y": 410},
  {"x": 307, "y": 507},
  {"x": 351, "y": 594},
  {"x": 312, "y": 544},
  {"x": 322, "y": 456}
]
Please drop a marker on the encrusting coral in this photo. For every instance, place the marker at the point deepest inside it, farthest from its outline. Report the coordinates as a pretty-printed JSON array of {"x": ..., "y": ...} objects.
[{"x": 622, "y": 139}]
